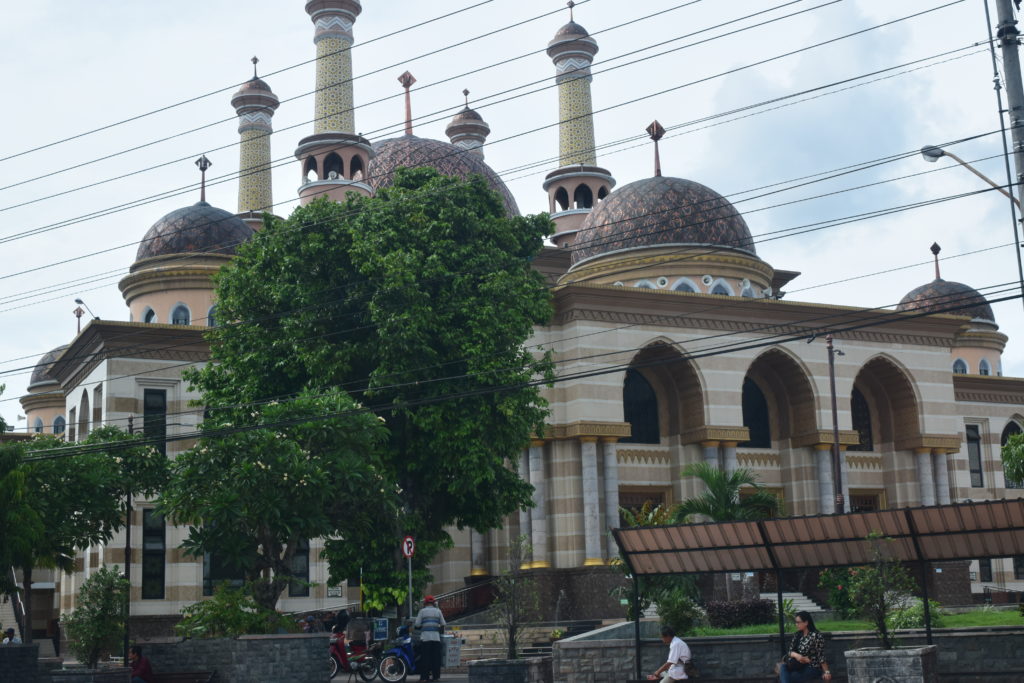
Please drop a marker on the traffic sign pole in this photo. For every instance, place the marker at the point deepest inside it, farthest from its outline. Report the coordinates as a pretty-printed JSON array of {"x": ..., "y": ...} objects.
[
  {"x": 409, "y": 549},
  {"x": 408, "y": 561}
]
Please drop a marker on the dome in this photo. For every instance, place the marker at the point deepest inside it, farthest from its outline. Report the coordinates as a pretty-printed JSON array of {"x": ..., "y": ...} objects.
[
  {"x": 941, "y": 296},
  {"x": 570, "y": 30},
  {"x": 40, "y": 374},
  {"x": 410, "y": 151},
  {"x": 254, "y": 85},
  {"x": 198, "y": 228},
  {"x": 466, "y": 114},
  {"x": 661, "y": 211}
]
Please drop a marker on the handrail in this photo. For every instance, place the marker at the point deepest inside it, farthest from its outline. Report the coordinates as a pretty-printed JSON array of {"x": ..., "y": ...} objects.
[{"x": 19, "y": 608}]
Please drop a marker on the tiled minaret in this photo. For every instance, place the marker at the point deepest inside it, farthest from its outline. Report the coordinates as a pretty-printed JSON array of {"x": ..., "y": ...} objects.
[
  {"x": 578, "y": 183},
  {"x": 468, "y": 130},
  {"x": 255, "y": 104},
  {"x": 334, "y": 158}
]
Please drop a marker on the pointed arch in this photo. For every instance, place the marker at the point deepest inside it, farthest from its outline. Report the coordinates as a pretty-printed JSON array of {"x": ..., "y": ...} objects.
[
  {"x": 309, "y": 170},
  {"x": 583, "y": 197},
  {"x": 677, "y": 385},
  {"x": 83, "y": 416},
  {"x": 562, "y": 199},
  {"x": 788, "y": 392},
  {"x": 333, "y": 164},
  {"x": 892, "y": 398},
  {"x": 355, "y": 168}
]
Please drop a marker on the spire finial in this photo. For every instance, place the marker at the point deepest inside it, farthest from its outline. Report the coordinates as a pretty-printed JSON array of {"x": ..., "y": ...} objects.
[
  {"x": 935, "y": 252},
  {"x": 407, "y": 80},
  {"x": 465, "y": 93},
  {"x": 203, "y": 163},
  {"x": 656, "y": 132},
  {"x": 255, "y": 60},
  {"x": 571, "y": 4}
]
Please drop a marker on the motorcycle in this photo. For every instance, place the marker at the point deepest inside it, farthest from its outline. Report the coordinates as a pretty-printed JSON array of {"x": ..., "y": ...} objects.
[
  {"x": 399, "y": 661},
  {"x": 354, "y": 658}
]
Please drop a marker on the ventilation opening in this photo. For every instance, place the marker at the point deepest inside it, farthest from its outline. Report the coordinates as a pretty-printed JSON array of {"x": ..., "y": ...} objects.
[
  {"x": 311, "y": 173},
  {"x": 583, "y": 198},
  {"x": 333, "y": 165},
  {"x": 562, "y": 199},
  {"x": 356, "y": 166}
]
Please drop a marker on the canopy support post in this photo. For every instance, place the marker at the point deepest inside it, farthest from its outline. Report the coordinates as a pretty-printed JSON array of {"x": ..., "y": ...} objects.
[
  {"x": 925, "y": 566},
  {"x": 778, "y": 585},
  {"x": 636, "y": 623}
]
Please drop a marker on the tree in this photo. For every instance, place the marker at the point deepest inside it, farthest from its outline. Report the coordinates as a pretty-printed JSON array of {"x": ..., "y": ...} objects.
[
  {"x": 721, "y": 502},
  {"x": 253, "y": 495},
  {"x": 516, "y": 599},
  {"x": 1013, "y": 458},
  {"x": 81, "y": 498},
  {"x": 96, "y": 625},
  {"x": 880, "y": 588},
  {"x": 417, "y": 302}
]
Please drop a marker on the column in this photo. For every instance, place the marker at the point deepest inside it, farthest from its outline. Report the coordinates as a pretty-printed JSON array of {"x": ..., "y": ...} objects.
[
  {"x": 333, "y": 38},
  {"x": 823, "y": 460},
  {"x": 729, "y": 456},
  {"x": 524, "y": 514},
  {"x": 845, "y": 469},
  {"x": 940, "y": 471},
  {"x": 710, "y": 453},
  {"x": 477, "y": 553},
  {"x": 538, "y": 514},
  {"x": 591, "y": 502},
  {"x": 925, "y": 479},
  {"x": 610, "y": 451}
]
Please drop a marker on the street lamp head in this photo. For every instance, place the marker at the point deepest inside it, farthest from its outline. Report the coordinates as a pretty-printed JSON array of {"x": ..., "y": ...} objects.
[
  {"x": 79, "y": 302},
  {"x": 932, "y": 153}
]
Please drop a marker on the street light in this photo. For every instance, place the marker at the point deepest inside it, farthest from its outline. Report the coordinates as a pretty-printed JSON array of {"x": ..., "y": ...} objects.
[{"x": 931, "y": 153}]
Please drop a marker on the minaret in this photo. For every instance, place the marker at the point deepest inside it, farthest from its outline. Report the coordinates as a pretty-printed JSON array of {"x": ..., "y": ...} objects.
[
  {"x": 334, "y": 158},
  {"x": 578, "y": 183},
  {"x": 468, "y": 130},
  {"x": 255, "y": 104}
]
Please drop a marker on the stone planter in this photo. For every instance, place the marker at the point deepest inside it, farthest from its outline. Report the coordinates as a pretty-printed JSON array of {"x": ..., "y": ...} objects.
[
  {"x": 113, "y": 675},
  {"x": 901, "y": 665},
  {"x": 533, "y": 670}
]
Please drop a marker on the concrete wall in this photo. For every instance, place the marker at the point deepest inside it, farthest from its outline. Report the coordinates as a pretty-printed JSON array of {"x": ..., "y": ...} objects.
[
  {"x": 534, "y": 670},
  {"x": 291, "y": 658},
  {"x": 18, "y": 663},
  {"x": 608, "y": 655}
]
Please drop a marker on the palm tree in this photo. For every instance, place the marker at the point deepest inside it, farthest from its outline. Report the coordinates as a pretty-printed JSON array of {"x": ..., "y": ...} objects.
[{"x": 721, "y": 502}]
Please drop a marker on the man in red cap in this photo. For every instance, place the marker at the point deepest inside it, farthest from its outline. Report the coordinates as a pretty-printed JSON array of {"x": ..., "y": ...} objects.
[{"x": 431, "y": 624}]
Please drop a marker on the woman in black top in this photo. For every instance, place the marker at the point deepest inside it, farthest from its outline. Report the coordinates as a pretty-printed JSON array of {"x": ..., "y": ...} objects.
[{"x": 806, "y": 658}]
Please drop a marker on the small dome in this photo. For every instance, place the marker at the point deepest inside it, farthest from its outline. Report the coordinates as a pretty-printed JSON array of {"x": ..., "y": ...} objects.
[
  {"x": 410, "y": 151},
  {"x": 661, "y": 211},
  {"x": 466, "y": 114},
  {"x": 942, "y": 296},
  {"x": 40, "y": 374},
  {"x": 255, "y": 85},
  {"x": 199, "y": 228},
  {"x": 570, "y": 30}
]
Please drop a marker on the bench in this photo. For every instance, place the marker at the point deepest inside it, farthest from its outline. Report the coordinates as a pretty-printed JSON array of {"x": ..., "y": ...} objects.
[
  {"x": 748, "y": 679},
  {"x": 184, "y": 677}
]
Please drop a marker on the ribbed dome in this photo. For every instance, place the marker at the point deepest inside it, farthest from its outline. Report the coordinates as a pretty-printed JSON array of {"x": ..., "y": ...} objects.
[
  {"x": 254, "y": 84},
  {"x": 942, "y": 296},
  {"x": 199, "y": 228},
  {"x": 40, "y": 374},
  {"x": 572, "y": 29},
  {"x": 410, "y": 151},
  {"x": 661, "y": 211},
  {"x": 466, "y": 114}
]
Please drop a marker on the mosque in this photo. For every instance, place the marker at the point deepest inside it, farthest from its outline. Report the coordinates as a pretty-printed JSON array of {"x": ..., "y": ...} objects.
[{"x": 654, "y": 278}]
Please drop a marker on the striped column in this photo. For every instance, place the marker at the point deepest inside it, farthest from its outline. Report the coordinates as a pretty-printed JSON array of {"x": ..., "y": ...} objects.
[
  {"x": 610, "y": 452},
  {"x": 591, "y": 502}
]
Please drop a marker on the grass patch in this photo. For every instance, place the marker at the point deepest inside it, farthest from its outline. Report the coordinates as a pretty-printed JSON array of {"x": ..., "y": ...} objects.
[{"x": 967, "y": 620}]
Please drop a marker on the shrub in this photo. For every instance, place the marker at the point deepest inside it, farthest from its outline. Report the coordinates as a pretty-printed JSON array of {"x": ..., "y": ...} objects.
[
  {"x": 679, "y": 612},
  {"x": 230, "y": 612},
  {"x": 911, "y": 615},
  {"x": 96, "y": 626},
  {"x": 838, "y": 582},
  {"x": 740, "y": 613},
  {"x": 880, "y": 588}
]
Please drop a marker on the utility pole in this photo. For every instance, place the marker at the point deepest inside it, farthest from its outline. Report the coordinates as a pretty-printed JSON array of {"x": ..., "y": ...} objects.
[{"x": 128, "y": 556}]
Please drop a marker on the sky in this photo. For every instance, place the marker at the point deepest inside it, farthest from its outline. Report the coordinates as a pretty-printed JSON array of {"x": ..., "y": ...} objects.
[{"x": 155, "y": 80}]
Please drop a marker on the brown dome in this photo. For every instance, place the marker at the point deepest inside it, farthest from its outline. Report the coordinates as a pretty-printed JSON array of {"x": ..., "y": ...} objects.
[
  {"x": 661, "y": 211},
  {"x": 466, "y": 114},
  {"x": 40, "y": 374},
  {"x": 254, "y": 85},
  {"x": 410, "y": 151},
  {"x": 941, "y": 296},
  {"x": 199, "y": 228}
]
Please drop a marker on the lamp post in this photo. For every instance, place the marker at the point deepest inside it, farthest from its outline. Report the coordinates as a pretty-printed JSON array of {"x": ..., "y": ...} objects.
[{"x": 837, "y": 461}]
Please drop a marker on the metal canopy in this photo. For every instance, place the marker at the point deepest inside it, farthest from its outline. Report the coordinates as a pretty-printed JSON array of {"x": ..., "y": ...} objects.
[{"x": 925, "y": 534}]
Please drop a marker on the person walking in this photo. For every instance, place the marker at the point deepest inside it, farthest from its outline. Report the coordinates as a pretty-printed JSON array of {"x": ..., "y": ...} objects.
[
  {"x": 674, "y": 668},
  {"x": 806, "y": 658},
  {"x": 430, "y": 622}
]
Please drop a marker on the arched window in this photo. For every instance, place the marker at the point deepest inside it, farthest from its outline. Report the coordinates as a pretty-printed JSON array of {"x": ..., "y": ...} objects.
[
  {"x": 356, "y": 167},
  {"x": 149, "y": 315},
  {"x": 645, "y": 284},
  {"x": 83, "y": 416},
  {"x": 685, "y": 285},
  {"x": 583, "y": 197},
  {"x": 721, "y": 288},
  {"x": 1009, "y": 430},
  {"x": 640, "y": 408},
  {"x": 310, "y": 172},
  {"x": 984, "y": 368},
  {"x": 333, "y": 164},
  {"x": 211, "y": 317},
  {"x": 755, "y": 416},
  {"x": 180, "y": 316},
  {"x": 298, "y": 587},
  {"x": 959, "y": 367},
  {"x": 59, "y": 425},
  {"x": 861, "y": 413},
  {"x": 37, "y": 425},
  {"x": 602, "y": 193},
  {"x": 562, "y": 199},
  {"x": 748, "y": 293}
]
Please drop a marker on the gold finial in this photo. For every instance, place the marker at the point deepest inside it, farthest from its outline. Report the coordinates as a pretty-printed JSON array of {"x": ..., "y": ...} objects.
[
  {"x": 255, "y": 60},
  {"x": 407, "y": 79},
  {"x": 203, "y": 163},
  {"x": 935, "y": 252},
  {"x": 656, "y": 132}
]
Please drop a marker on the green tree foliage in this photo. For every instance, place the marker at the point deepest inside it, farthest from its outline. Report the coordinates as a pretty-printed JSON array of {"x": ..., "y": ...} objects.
[
  {"x": 839, "y": 582},
  {"x": 1013, "y": 458},
  {"x": 253, "y": 495},
  {"x": 880, "y": 588},
  {"x": 721, "y": 501},
  {"x": 417, "y": 302},
  {"x": 231, "y": 612},
  {"x": 81, "y": 498},
  {"x": 96, "y": 626}
]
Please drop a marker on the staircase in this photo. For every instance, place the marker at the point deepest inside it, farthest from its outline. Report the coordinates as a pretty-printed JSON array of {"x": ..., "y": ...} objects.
[
  {"x": 7, "y": 618},
  {"x": 801, "y": 603}
]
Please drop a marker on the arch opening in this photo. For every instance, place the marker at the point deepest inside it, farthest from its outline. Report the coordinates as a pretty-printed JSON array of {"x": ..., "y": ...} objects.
[
  {"x": 583, "y": 197},
  {"x": 333, "y": 166},
  {"x": 562, "y": 199}
]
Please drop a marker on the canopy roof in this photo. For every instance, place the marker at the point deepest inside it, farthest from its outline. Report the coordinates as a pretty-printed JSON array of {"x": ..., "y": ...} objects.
[{"x": 939, "y": 532}]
